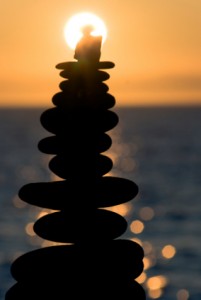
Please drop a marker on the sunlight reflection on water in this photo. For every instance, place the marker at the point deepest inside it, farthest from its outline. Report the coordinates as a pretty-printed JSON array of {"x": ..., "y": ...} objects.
[
  {"x": 123, "y": 164},
  {"x": 159, "y": 149}
]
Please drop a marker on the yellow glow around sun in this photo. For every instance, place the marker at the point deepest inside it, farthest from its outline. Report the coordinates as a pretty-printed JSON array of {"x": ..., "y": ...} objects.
[{"x": 72, "y": 30}]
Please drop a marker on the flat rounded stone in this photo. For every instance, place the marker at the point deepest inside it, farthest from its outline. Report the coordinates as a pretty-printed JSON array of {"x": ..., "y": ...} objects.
[
  {"x": 66, "y": 86},
  {"x": 112, "y": 259},
  {"x": 96, "y": 100},
  {"x": 68, "y": 194},
  {"x": 89, "y": 226},
  {"x": 95, "y": 76},
  {"x": 56, "y": 120},
  {"x": 72, "y": 290},
  {"x": 74, "y": 64},
  {"x": 82, "y": 165},
  {"x": 59, "y": 144}
]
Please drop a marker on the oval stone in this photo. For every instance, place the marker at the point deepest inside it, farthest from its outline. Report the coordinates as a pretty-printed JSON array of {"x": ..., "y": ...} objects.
[
  {"x": 68, "y": 194},
  {"x": 121, "y": 258},
  {"x": 66, "y": 86},
  {"x": 59, "y": 144},
  {"x": 88, "y": 226},
  {"x": 72, "y": 167},
  {"x": 94, "y": 76},
  {"x": 56, "y": 120},
  {"x": 72, "y": 65},
  {"x": 98, "y": 99}
]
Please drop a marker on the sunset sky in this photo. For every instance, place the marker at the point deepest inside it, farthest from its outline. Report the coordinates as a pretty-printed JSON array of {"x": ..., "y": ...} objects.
[{"x": 155, "y": 45}]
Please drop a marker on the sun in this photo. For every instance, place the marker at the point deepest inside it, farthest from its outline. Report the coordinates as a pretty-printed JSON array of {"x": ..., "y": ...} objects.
[{"x": 72, "y": 29}]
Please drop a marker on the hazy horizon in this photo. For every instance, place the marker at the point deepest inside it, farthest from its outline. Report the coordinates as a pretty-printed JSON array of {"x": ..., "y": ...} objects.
[{"x": 155, "y": 45}]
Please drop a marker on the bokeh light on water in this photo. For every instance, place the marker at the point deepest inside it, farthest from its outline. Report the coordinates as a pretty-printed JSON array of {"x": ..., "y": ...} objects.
[
  {"x": 138, "y": 217},
  {"x": 157, "y": 149},
  {"x": 125, "y": 165}
]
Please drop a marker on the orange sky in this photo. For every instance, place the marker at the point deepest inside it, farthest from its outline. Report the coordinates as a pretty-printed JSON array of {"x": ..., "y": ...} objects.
[{"x": 155, "y": 45}]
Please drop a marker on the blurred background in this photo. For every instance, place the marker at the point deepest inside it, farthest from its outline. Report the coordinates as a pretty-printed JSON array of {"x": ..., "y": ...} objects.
[
  {"x": 159, "y": 149},
  {"x": 156, "y": 48},
  {"x": 155, "y": 45}
]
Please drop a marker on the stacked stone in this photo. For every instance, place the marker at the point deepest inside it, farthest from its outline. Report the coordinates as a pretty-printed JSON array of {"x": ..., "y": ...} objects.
[{"x": 92, "y": 261}]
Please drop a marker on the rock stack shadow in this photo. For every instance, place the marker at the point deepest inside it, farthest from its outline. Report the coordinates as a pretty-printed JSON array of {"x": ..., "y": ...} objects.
[{"x": 93, "y": 260}]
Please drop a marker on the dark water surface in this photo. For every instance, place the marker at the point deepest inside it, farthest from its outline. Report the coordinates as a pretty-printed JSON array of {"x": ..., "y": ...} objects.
[{"x": 159, "y": 149}]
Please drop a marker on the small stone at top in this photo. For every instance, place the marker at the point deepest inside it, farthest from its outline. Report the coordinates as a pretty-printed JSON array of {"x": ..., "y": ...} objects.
[{"x": 88, "y": 48}]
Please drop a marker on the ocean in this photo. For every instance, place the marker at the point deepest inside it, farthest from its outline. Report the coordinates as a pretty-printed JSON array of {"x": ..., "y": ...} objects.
[{"x": 159, "y": 148}]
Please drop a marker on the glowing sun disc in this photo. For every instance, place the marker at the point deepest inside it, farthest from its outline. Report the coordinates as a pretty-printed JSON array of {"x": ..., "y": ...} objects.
[{"x": 72, "y": 30}]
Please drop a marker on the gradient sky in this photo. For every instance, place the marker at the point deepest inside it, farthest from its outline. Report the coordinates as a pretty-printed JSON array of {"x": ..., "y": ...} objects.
[{"x": 155, "y": 45}]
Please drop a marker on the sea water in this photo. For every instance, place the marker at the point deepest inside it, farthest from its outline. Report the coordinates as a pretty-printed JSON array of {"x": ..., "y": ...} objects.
[{"x": 159, "y": 148}]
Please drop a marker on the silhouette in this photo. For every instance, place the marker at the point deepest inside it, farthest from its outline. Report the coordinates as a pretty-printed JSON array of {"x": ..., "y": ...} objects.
[
  {"x": 88, "y": 48},
  {"x": 93, "y": 261}
]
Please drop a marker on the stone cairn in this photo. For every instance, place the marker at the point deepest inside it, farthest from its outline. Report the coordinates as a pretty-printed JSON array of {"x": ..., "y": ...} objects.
[{"x": 89, "y": 259}]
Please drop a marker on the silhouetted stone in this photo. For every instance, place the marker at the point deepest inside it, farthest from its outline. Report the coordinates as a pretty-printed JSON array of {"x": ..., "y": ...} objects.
[
  {"x": 75, "y": 226},
  {"x": 60, "y": 144},
  {"x": 74, "y": 260},
  {"x": 59, "y": 121},
  {"x": 108, "y": 191},
  {"x": 85, "y": 288},
  {"x": 66, "y": 167},
  {"x": 72, "y": 65},
  {"x": 98, "y": 76},
  {"x": 98, "y": 100}
]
